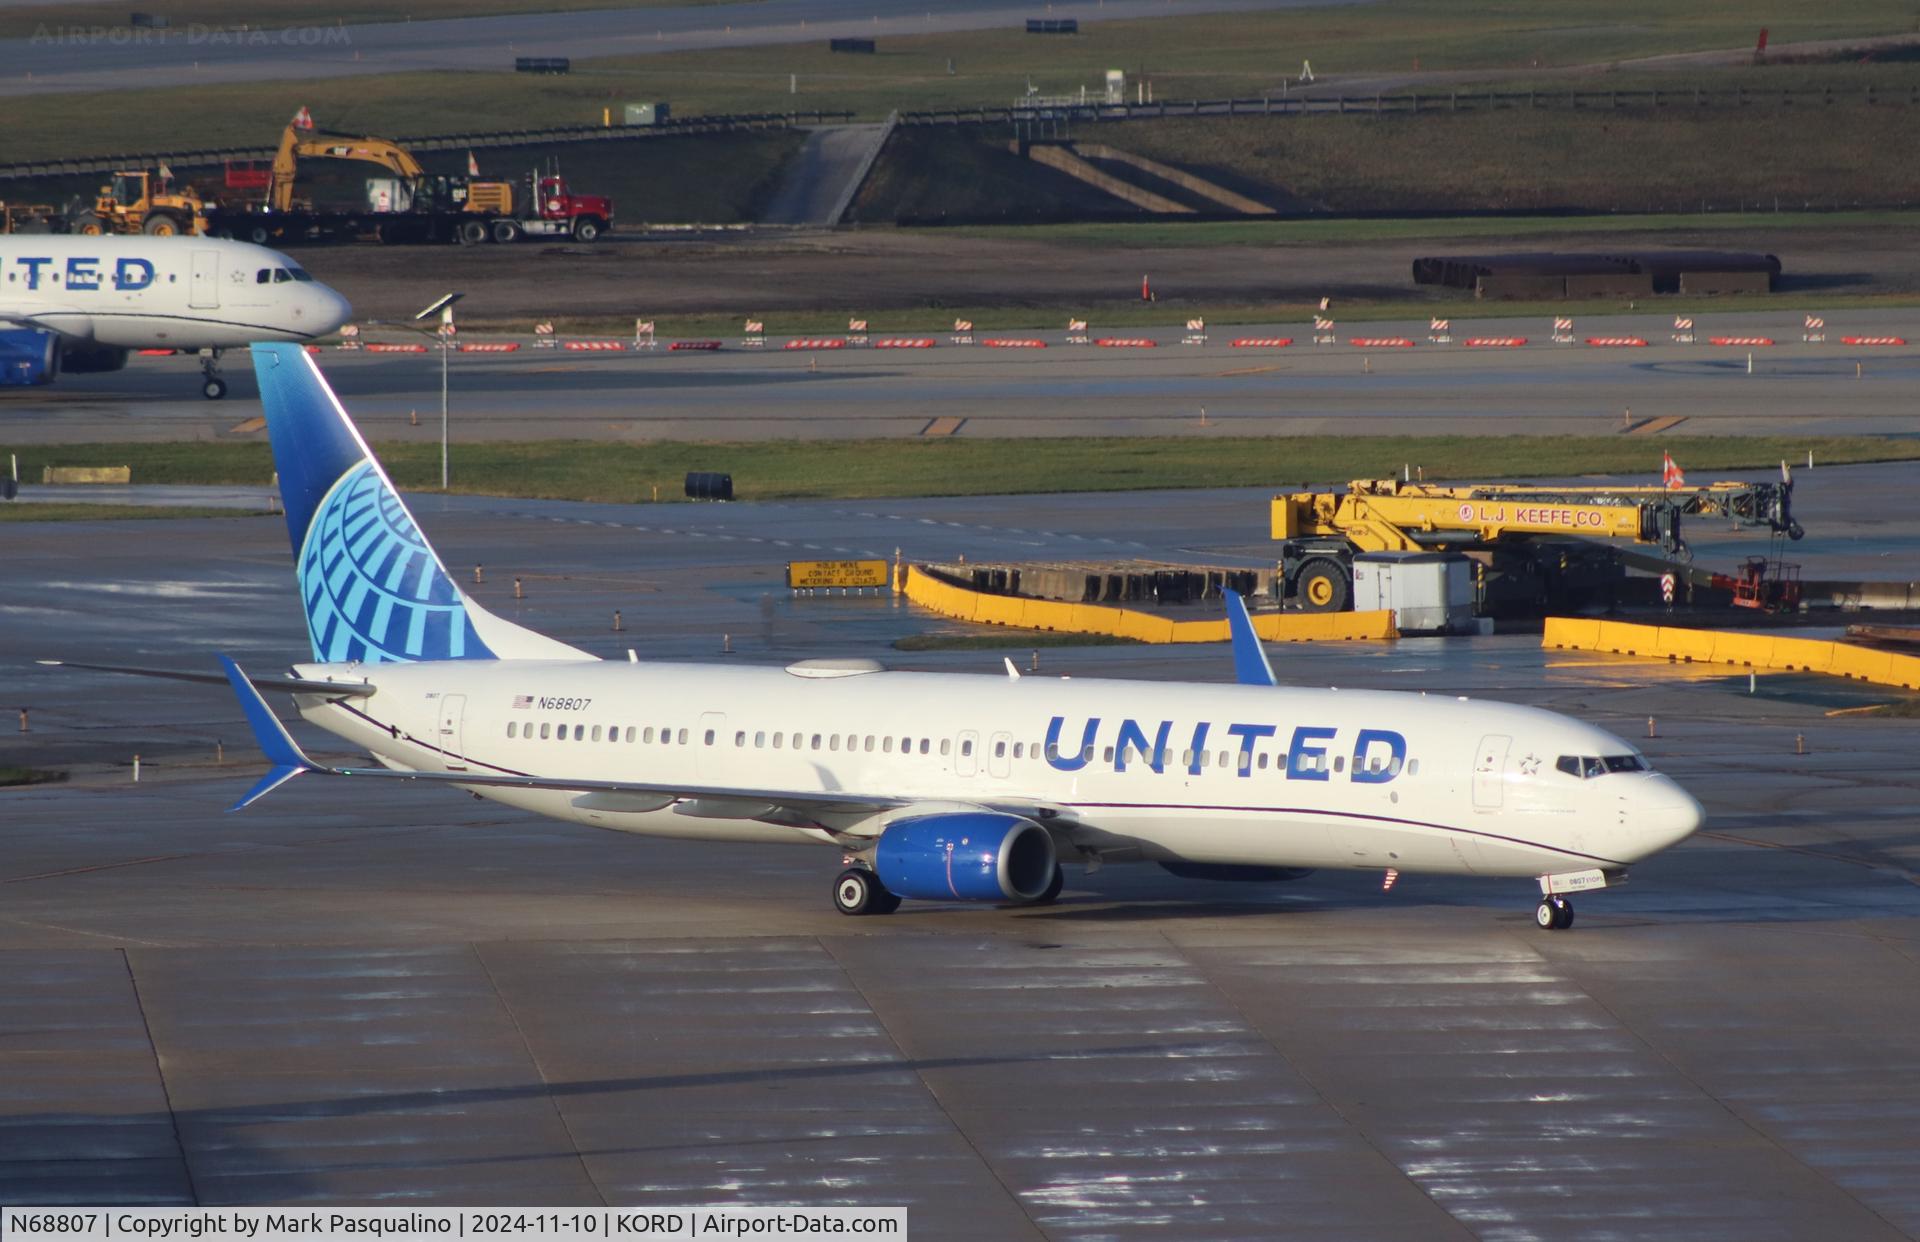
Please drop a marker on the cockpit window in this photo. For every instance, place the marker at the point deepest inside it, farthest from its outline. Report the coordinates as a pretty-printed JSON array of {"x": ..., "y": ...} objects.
[
  {"x": 263, "y": 276},
  {"x": 281, "y": 276},
  {"x": 300, "y": 274},
  {"x": 1586, "y": 767}
]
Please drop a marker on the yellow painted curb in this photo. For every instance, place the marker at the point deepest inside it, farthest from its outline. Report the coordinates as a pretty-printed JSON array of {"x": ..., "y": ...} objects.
[
  {"x": 1771, "y": 652},
  {"x": 963, "y": 604}
]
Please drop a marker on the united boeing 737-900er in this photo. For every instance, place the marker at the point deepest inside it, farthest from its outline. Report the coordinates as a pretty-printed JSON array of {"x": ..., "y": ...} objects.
[
  {"x": 933, "y": 786},
  {"x": 81, "y": 303}
]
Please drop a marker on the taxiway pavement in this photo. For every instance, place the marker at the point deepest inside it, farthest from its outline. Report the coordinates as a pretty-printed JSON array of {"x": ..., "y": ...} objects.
[
  {"x": 407, "y": 995},
  {"x": 739, "y": 394}
]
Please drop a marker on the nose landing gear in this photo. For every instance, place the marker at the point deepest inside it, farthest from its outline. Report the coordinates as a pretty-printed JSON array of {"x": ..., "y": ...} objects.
[
  {"x": 1553, "y": 914},
  {"x": 211, "y": 385}
]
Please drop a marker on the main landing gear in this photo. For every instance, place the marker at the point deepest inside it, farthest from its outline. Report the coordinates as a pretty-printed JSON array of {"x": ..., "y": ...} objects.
[
  {"x": 211, "y": 385},
  {"x": 1553, "y": 914},
  {"x": 859, "y": 891}
]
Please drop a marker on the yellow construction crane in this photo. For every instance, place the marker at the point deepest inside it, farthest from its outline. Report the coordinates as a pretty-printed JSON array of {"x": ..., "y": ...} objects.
[{"x": 1519, "y": 527}]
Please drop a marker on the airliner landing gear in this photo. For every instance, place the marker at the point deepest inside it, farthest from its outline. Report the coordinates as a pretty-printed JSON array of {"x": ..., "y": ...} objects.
[
  {"x": 1553, "y": 914},
  {"x": 859, "y": 891},
  {"x": 211, "y": 385}
]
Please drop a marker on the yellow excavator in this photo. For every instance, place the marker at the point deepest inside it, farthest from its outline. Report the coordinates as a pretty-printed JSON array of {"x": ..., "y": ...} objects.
[{"x": 298, "y": 144}]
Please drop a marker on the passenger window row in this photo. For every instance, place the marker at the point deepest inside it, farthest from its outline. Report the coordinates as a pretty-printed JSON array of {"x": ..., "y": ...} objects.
[{"x": 887, "y": 744}]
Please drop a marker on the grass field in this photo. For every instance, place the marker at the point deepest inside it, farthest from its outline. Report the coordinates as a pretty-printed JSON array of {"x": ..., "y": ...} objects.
[
  {"x": 860, "y": 469},
  {"x": 47, "y": 20},
  {"x": 1184, "y": 57},
  {"x": 1156, "y": 234},
  {"x": 28, "y": 776},
  {"x": 1674, "y": 160},
  {"x": 81, "y": 512}
]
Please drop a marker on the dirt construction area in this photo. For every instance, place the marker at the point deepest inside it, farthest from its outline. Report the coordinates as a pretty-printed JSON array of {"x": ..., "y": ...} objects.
[{"x": 766, "y": 271}]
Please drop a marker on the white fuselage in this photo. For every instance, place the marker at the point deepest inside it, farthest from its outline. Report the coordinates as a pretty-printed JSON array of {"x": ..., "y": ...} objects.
[
  {"x": 142, "y": 292},
  {"x": 1248, "y": 775}
]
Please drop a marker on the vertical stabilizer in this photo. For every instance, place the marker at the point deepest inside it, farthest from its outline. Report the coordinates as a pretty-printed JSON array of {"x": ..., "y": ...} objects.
[{"x": 373, "y": 589}]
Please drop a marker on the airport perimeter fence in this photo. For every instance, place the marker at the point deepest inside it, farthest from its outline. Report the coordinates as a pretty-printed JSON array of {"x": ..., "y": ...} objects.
[
  {"x": 1416, "y": 103},
  {"x": 477, "y": 140}
]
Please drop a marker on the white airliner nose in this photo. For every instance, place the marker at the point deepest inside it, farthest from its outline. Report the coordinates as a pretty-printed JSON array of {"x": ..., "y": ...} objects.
[
  {"x": 1662, "y": 814},
  {"x": 330, "y": 310}
]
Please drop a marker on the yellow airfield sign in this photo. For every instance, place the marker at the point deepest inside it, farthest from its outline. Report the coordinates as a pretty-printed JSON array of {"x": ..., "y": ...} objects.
[{"x": 809, "y": 574}]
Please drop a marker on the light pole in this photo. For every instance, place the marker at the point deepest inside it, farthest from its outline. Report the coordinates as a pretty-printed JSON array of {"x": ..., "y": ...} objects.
[{"x": 444, "y": 308}]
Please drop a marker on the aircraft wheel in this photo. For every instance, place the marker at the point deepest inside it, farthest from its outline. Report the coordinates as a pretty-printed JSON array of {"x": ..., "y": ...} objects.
[
  {"x": 1058, "y": 882},
  {"x": 214, "y": 388},
  {"x": 1323, "y": 586},
  {"x": 1553, "y": 914},
  {"x": 859, "y": 891}
]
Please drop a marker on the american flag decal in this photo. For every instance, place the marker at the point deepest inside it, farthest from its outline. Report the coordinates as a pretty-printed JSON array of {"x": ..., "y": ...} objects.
[{"x": 523, "y": 700}]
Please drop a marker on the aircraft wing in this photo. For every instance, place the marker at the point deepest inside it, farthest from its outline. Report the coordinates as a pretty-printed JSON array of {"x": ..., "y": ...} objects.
[{"x": 35, "y": 319}]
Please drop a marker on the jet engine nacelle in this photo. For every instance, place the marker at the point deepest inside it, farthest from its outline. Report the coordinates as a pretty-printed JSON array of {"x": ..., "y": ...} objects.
[
  {"x": 965, "y": 856},
  {"x": 28, "y": 356},
  {"x": 84, "y": 357}
]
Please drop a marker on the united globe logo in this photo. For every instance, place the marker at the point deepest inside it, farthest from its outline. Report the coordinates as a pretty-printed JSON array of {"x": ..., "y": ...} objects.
[{"x": 373, "y": 590}]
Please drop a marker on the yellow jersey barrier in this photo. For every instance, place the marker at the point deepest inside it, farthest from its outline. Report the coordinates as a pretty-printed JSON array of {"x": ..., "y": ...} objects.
[
  {"x": 1771, "y": 652},
  {"x": 965, "y": 604}
]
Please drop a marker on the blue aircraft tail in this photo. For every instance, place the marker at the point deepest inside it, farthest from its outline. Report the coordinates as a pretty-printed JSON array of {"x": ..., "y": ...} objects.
[{"x": 374, "y": 590}]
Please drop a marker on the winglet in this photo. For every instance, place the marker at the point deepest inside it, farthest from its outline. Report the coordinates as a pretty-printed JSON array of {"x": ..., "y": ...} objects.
[
  {"x": 275, "y": 742},
  {"x": 1250, "y": 667}
]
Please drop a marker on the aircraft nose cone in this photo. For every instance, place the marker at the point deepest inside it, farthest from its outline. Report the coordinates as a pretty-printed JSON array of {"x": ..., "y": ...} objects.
[
  {"x": 334, "y": 310},
  {"x": 1666, "y": 815}
]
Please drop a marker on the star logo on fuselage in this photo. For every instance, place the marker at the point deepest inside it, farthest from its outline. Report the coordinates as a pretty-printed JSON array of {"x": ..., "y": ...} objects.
[{"x": 1529, "y": 765}]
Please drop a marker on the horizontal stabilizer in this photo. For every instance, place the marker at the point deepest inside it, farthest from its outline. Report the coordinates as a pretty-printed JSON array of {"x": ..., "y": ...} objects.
[{"x": 291, "y": 685}]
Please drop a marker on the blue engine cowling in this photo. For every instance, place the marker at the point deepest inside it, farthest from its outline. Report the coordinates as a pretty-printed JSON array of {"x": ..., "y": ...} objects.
[
  {"x": 28, "y": 356},
  {"x": 965, "y": 856}
]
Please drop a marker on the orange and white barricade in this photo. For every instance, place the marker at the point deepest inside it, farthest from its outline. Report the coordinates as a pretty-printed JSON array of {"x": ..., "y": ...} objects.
[
  {"x": 543, "y": 336},
  {"x": 856, "y": 332},
  {"x": 1323, "y": 331},
  {"x": 1439, "y": 332},
  {"x": 962, "y": 332},
  {"x": 1682, "y": 330},
  {"x": 594, "y": 347},
  {"x": 1563, "y": 330},
  {"x": 1815, "y": 331},
  {"x": 755, "y": 335},
  {"x": 350, "y": 336},
  {"x": 1196, "y": 332},
  {"x": 643, "y": 337},
  {"x": 1077, "y": 332}
]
